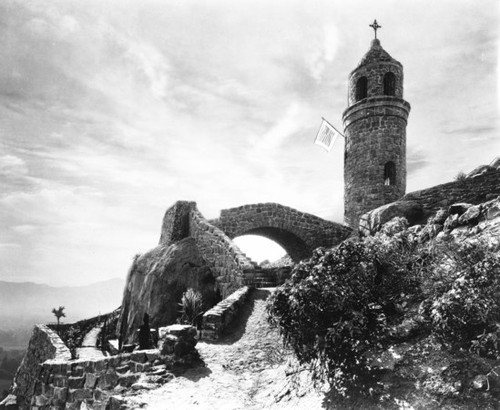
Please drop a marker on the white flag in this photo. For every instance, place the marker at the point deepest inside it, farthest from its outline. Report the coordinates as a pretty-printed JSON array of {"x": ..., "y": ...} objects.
[{"x": 326, "y": 135}]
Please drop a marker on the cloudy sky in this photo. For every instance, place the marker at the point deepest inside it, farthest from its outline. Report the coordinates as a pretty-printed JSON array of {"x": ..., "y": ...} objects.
[{"x": 112, "y": 110}]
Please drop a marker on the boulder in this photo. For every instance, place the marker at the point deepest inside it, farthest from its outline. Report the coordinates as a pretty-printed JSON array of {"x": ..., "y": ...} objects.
[
  {"x": 471, "y": 216},
  {"x": 451, "y": 222},
  {"x": 439, "y": 217},
  {"x": 430, "y": 231},
  {"x": 493, "y": 210},
  {"x": 394, "y": 226},
  {"x": 156, "y": 282},
  {"x": 178, "y": 339},
  {"x": 372, "y": 221},
  {"x": 459, "y": 208}
]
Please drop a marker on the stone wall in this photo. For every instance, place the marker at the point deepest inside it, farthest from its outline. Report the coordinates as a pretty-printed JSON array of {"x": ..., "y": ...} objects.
[
  {"x": 223, "y": 257},
  {"x": 48, "y": 379},
  {"x": 216, "y": 320},
  {"x": 62, "y": 384},
  {"x": 176, "y": 222},
  {"x": 418, "y": 206},
  {"x": 297, "y": 232},
  {"x": 44, "y": 344},
  {"x": 472, "y": 190}
]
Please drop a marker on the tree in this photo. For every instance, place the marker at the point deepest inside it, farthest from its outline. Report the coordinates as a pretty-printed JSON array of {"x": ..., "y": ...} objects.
[{"x": 59, "y": 313}]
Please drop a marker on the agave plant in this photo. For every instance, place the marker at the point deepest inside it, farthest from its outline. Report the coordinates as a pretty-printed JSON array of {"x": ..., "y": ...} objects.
[{"x": 191, "y": 307}]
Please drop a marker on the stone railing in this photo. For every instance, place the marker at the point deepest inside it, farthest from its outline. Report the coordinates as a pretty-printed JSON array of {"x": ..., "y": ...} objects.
[{"x": 216, "y": 320}]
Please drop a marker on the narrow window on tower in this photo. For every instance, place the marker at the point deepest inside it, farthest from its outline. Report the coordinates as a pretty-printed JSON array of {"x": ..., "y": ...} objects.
[
  {"x": 390, "y": 173},
  {"x": 389, "y": 84},
  {"x": 361, "y": 88}
]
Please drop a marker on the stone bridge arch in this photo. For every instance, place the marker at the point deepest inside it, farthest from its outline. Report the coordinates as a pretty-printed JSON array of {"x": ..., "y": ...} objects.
[{"x": 297, "y": 232}]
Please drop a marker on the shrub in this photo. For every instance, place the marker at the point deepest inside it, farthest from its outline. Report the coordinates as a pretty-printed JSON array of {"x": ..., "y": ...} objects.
[
  {"x": 464, "y": 307},
  {"x": 329, "y": 314},
  {"x": 345, "y": 303},
  {"x": 191, "y": 307}
]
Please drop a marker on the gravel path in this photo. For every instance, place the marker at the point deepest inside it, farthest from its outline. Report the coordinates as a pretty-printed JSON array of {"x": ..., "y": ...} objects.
[{"x": 244, "y": 370}]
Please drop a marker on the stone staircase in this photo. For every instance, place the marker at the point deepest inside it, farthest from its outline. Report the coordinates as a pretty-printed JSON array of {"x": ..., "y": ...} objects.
[{"x": 259, "y": 278}]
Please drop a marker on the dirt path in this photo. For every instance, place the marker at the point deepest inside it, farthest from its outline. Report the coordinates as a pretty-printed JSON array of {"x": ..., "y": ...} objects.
[
  {"x": 89, "y": 350},
  {"x": 244, "y": 370}
]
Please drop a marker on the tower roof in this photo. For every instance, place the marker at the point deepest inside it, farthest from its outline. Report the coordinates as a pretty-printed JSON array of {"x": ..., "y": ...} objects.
[{"x": 376, "y": 54}]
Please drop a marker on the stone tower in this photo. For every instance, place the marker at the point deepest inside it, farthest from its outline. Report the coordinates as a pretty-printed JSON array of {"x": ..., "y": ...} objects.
[{"x": 375, "y": 135}]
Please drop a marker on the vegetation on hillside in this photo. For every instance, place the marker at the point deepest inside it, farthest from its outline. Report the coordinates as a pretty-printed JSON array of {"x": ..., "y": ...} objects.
[{"x": 347, "y": 308}]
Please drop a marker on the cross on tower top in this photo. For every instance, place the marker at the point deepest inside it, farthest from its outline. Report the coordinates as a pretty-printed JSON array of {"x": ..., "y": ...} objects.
[{"x": 375, "y": 26}]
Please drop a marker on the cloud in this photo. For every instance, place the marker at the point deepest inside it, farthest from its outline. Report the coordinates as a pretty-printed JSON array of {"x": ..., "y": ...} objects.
[
  {"x": 321, "y": 56},
  {"x": 12, "y": 166},
  {"x": 417, "y": 159}
]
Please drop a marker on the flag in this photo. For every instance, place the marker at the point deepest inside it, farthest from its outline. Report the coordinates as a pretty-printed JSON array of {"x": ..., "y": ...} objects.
[{"x": 326, "y": 135}]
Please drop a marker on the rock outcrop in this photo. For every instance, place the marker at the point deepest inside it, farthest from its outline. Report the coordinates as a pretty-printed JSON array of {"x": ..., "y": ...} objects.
[
  {"x": 372, "y": 221},
  {"x": 418, "y": 206},
  {"x": 158, "y": 279}
]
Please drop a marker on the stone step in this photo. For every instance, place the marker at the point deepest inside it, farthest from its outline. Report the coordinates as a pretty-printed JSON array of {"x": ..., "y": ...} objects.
[{"x": 266, "y": 285}]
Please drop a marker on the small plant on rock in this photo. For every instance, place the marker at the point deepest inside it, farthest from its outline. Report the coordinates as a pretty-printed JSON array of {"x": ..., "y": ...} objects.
[{"x": 191, "y": 308}]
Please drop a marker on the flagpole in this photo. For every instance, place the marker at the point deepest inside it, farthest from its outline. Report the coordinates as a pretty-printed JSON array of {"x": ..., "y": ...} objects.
[{"x": 342, "y": 135}]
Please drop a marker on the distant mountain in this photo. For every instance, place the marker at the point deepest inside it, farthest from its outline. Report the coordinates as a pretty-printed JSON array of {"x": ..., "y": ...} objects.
[{"x": 26, "y": 303}]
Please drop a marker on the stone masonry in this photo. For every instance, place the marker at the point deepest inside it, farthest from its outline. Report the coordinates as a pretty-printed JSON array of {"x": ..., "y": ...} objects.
[
  {"x": 375, "y": 133},
  {"x": 473, "y": 190},
  {"x": 297, "y": 232},
  {"x": 54, "y": 381}
]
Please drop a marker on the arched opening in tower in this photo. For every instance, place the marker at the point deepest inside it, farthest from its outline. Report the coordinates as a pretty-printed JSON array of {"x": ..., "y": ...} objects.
[
  {"x": 272, "y": 244},
  {"x": 390, "y": 173},
  {"x": 389, "y": 84},
  {"x": 361, "y": 88}
]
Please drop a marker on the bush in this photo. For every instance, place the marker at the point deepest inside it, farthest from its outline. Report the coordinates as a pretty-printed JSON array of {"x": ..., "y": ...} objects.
[
  {"x": 343, "y": 303},
  {"x": 461, "y": 176},
  {"x": 464, "y": 309},
  {"x": 329, "y": 314}
]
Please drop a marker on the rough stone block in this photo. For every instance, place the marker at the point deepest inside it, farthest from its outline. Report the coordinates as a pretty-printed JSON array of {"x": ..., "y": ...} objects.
[
  {"x": 90, "y": 380},
  {"x": 60, "y": 394},
  {"x": 142, "y": 367},
  {"x": 138, "y": 357},
  {"x": 127, "y": 380},
  {"x": 41, "y": 401},
  {"x": 60, "y": 381},
  {"x": 108, "y": 380},
  {"x": 79, "y": 394},
  {"x": 122, "y": 369},
  {"x": 76, "y": 382},
  {"x": 47, "y": 390},
  {"x": 77, "y": 371},
  {"x": 100, "y": 395},
  {"x": 152, "y": 355},
  {"x": 99, "y": 366}
]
